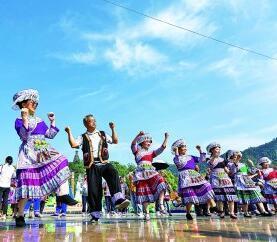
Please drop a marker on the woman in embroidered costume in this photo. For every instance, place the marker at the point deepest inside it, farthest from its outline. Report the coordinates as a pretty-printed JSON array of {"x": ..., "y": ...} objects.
[
  {"x": 192, "y": 186},
  {"x": 41, "y": 169},
  {"x": 150, "y": 185},
  {"x": 269, "y": 176},
  {"x": 220, "y": 181},
  {"x": 247, "y": 190}
]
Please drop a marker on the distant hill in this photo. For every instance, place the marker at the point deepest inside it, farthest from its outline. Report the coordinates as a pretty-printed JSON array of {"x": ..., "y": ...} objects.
[
  {"x": 253, "y": 153},
  {"x": 268, "y": 149}
]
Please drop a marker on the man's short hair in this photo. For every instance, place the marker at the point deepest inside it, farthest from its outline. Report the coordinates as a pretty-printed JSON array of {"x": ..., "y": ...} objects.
[
  {"x": 85, "y": 119},
  {"x": 9, "y": 159}
]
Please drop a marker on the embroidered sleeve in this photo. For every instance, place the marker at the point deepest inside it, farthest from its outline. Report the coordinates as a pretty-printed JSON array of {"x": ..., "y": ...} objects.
[
  {"x": 232, "y": 168},
  {"x": 21, "y": 130},
  {"x": 202, "y": 158},
  {"x": 252, "y": 170},
  {"x": 51, "y": 132},
  {"x": 158, "y": 151},
  {"x": 178, "y": 162},
  {"x": 134, "y": 148}
]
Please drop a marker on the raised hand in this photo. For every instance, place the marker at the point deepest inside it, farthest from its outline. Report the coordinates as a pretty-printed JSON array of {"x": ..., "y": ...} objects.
[
  {"x": 141, "y": 133},
  {"x": 51, "y": 117},
  {"x": 198, "y": 147},
  {"x": 67, "y": 129},
  {"x": 166, "y": 135},
  {"x": 24, "y": 114},
  {"x": 112, "y": 125}
]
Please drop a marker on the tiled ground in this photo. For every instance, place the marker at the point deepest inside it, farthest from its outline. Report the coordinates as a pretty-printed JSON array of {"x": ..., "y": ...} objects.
[{"x": 130, "y": 228}]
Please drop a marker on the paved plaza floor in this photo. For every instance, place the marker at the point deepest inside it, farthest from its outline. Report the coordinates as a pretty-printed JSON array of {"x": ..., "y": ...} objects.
[{"x": 130, "y": 228}]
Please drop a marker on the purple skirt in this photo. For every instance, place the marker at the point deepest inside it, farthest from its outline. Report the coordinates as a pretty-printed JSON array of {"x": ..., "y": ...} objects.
[
  {"x": 41, "y": 181},
  {"x": 199, "y": 194}
]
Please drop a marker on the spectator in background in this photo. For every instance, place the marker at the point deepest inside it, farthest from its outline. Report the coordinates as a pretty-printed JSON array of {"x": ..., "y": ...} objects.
[
  {"x": 108, "y": 199},
  {"x": 84, "y": 192},
  {"x": 124, "y": 190},
  {"x": 132, "y": 189},
  {"x": 7, "y": 173}
]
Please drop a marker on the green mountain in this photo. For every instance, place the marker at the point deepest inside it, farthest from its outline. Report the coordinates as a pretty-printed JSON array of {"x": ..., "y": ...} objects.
[{"x": 268, "y": 149}]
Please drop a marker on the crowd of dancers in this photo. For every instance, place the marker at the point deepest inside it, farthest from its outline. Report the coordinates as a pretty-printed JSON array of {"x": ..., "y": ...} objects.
[{"x": 228, "y": 183}]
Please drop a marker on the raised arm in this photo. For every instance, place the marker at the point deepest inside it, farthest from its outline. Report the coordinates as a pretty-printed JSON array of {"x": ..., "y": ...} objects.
[
  {"x": 71, "y": 139},
  {"x": 114, "y": 134},
  {"x": 134, "y": 147},
  {"x": 53, "y": 130},
  {"x": 202, "y": 155},
  {"x": 163, "y": 146},
  {"x": 22, "y": 125}
]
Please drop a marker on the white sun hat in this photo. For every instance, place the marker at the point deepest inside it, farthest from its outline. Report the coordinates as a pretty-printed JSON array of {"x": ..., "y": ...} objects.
[
  {"x": 143, "y": 138},
  {"x": 178, "y": 143},
  {"x": 212, "y": 145},
  {"x": 27, "y": 94},
  {"x": 264, "y": 160}
]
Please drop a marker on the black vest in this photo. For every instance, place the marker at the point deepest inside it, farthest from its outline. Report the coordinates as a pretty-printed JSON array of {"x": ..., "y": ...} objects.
[{"x": 103, "y": 154}]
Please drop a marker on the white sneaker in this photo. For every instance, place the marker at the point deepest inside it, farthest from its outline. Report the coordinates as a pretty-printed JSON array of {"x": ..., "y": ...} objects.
[
  {"x": 158, "y": 213},
  {"x": 140, "y": 215}
]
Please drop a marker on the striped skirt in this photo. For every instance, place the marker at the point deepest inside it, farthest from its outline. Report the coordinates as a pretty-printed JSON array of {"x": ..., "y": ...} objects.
[
  {"x": 271, "y": 198},
  {"x": 199, "y": 194},
  {"x": 41, "y": 181},
  {"x": 150, "y": 189},
  {"x": 225, "y": 194},
  {"x": 270, "y": 194},
  {"x": 249, "y": 197}
]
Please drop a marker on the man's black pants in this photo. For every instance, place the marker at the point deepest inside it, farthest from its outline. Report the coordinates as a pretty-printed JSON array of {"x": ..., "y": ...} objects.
[
  {"x": 4, "y": 196},
  {"x": 95, "y": 190}
]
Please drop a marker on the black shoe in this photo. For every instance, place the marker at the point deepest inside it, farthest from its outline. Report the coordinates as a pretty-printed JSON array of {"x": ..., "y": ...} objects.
[
  {"x": 246, "y": 215},
  {"x": 207, "y": 214},
  {"x": 264, "y": 214},
  {"x": 67, "y": 200},
  {"x": 20, "y": 221},
  {"x": 189, "y": 217},
  {"x": 233, "y": 216},
  {"x": 221, "y": 214},
  {"x": 213, "y": 209},
  {"x": 93, "y": 219}
]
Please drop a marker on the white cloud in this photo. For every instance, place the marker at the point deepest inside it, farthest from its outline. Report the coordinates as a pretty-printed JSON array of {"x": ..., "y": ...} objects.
[
  {"x": 187, "y": 14},
  {"x": 241, "y": 8},
  {"x": 131, "y": 49},
  {"x": 128, "y": 56},
  {"x": 245, "y": 69},
  {"x": 86, "y": 57}
]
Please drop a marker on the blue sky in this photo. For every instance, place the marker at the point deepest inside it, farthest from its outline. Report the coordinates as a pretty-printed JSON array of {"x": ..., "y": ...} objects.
[{"x": 91, "y": 57}]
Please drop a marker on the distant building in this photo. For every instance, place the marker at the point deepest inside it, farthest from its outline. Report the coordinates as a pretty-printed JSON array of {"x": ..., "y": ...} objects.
[{"x": 76, "y": 157}]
